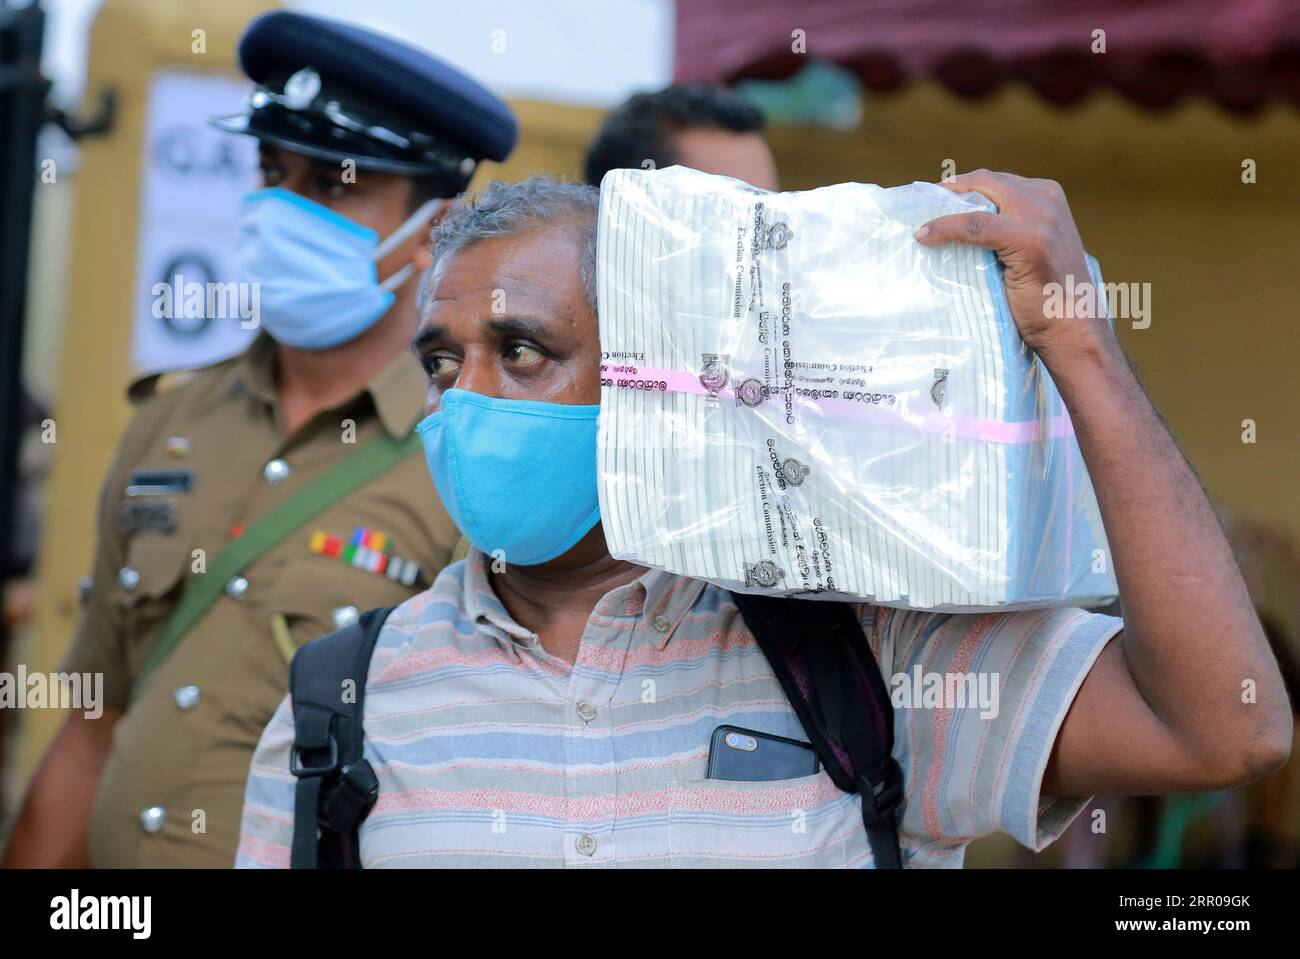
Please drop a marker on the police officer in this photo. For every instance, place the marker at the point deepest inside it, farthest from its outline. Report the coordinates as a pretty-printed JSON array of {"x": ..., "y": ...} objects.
[{"x": 262, "y": 502}]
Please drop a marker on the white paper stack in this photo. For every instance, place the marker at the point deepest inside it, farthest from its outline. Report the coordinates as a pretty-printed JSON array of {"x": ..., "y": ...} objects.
[{"x": 799, "y": 399}]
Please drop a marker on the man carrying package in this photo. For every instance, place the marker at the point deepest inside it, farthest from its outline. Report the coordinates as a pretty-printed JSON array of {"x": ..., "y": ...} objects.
[{"x": 546, "y": 704}]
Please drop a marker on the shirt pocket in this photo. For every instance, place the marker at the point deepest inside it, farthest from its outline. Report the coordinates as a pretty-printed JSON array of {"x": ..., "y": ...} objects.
[
  {"x": 147, "y": 590},
  {"x": 804, "y": 823},
  {"x": 317, "y": 595}
]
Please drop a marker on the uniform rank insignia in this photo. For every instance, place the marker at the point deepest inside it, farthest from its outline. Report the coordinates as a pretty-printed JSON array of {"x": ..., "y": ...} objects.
[
  {"x": 368, "y": 549},
  {"x": 160, "y": 482}
]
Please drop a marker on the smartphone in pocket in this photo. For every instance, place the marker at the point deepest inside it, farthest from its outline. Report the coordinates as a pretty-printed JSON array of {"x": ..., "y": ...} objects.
[{"x": 747, "y": 755}]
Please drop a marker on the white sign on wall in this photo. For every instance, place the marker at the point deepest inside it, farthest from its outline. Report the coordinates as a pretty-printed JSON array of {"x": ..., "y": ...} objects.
[{"x": 192, "y": 178}]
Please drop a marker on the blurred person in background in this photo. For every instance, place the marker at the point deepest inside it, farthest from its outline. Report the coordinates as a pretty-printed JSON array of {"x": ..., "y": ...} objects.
[
  {"x": 259, "y": 502},
  {"x": 697, "y": 125}
]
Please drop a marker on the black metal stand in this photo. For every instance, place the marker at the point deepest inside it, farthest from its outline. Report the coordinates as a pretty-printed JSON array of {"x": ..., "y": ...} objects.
[{"x": 23, "y": 111}]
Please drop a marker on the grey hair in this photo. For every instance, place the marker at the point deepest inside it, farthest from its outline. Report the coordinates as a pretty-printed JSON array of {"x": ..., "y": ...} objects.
[{"x": 506, "y": 209}]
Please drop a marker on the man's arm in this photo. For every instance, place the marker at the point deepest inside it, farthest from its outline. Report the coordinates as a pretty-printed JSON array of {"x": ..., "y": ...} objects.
[
  {"x": 53, "y": 828},
  {"x": 1188, "y": 696}
]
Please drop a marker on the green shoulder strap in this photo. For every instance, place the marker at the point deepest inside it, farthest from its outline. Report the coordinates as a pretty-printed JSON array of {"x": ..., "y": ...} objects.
[{"x": 364, "y": 464}]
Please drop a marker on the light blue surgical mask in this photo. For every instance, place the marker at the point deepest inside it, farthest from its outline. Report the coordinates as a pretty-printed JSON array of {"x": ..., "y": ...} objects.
[
  {"x": 315, "y": 269},
  {"x": 515, "y": 475}
]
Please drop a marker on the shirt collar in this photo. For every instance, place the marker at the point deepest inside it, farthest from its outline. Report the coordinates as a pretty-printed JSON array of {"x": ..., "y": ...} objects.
[
  {"x": 254, "y": 371},
  {"x": 397, "y": 391},
  {"x": 484, "y": 607},
  {"x": 661, "y": 599}
]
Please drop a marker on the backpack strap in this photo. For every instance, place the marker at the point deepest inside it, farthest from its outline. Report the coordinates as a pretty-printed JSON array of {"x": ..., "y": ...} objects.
[
  {"x": 823, "y": 661},
  {"x": 336, "y": 785}
]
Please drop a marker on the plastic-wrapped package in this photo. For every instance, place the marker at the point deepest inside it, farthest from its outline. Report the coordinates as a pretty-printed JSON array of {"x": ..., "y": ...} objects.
[{"x": 799, "y": 399}]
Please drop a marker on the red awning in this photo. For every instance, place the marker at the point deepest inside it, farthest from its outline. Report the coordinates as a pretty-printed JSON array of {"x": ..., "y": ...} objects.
[{"x": 1239, "y": 52}]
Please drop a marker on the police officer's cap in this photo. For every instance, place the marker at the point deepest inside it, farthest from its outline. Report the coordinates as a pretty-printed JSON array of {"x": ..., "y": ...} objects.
[{"x": 337, "y": 92}]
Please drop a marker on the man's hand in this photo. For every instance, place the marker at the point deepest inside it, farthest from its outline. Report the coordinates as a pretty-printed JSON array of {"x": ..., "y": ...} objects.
[{"x": 1034, "y": 236}]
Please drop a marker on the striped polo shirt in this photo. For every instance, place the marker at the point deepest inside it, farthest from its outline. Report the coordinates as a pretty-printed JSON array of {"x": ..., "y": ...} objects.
[{"x": 492, "y": 752}]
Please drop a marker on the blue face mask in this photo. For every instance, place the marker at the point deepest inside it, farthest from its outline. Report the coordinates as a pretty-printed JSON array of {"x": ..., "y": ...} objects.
[
  {"x": 315, "y": 269},
  {"x": 515, "y": 475}
]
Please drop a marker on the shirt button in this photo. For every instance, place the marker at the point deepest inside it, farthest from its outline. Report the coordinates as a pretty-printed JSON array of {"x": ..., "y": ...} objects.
[
  {"x": 661, "y": 623},
  {"x": 275, "y": 472},
  {"x": 236, "y": 587},
  {"x": 128, "y": 577},
  {"x": 344, "y": 616},
  {"x": 153, "y": 818},
  {"x": 586, "y": 711},
  {"x": 586, "y": 845},
  {"x": 187, "y": 697}
]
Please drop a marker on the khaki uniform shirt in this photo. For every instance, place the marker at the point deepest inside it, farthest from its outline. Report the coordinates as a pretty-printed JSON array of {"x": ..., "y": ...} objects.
[{"x": 174, "y": 784}]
